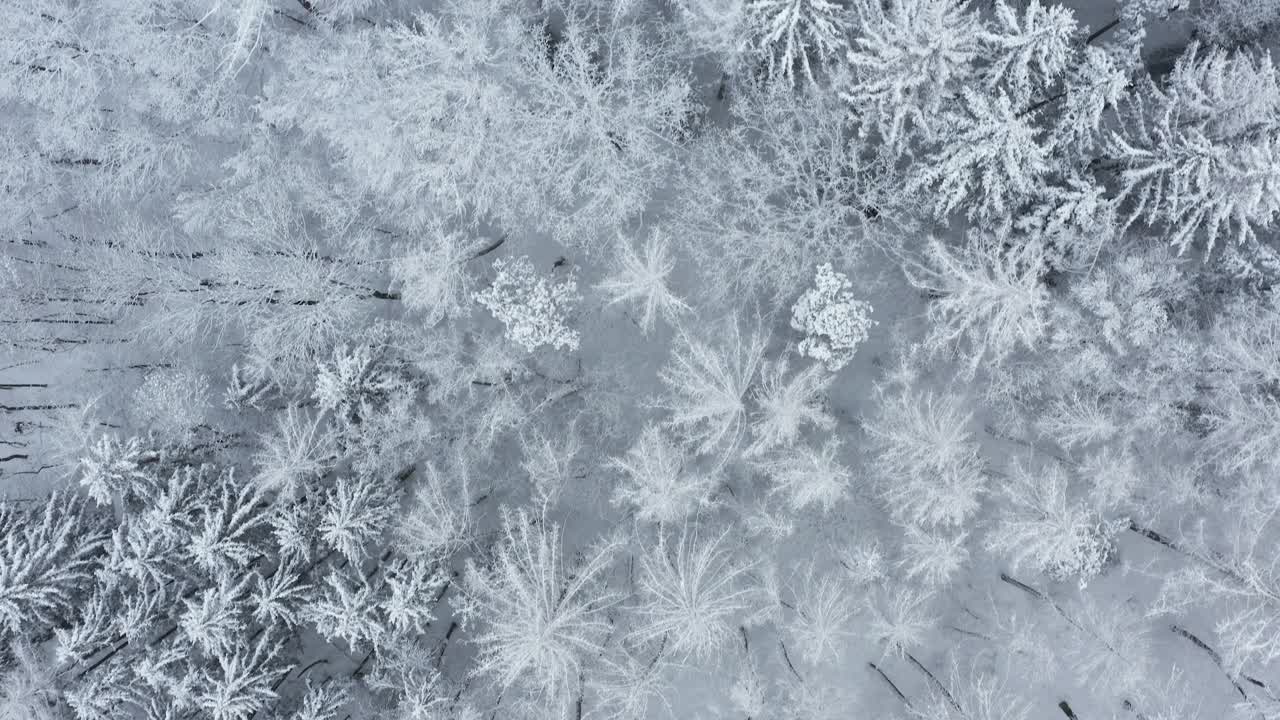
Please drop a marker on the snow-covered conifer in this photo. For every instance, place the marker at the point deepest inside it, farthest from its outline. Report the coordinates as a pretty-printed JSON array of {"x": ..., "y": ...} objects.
[
  {"x": 228, "y": 537},
  {"x": 932, "y": 472},
  {"x": 353, "y": 382},
  {"x": 1047, "y": 530},
  {"x": 241, "y": 685},
  {"x": 324, "y": 701},
  {"x": 708, "y": 384},
  {"x": 347, "y": 610},
  {"x": 359, "y": 510},
  {"x": 833, "y": 322},
  {"x": 537, "y": 618},
  {"x": 988, "y": 158},
  {"x": 409, "y": 598},
  {"x": 111, "y": 467},
  {"x": 659, "y": 483},
  {"x": 989, "y": 301},
  {"x": 787, "y": 405},
  {"x": 907, "y": 56},
  {"x": 692, "y": 592},
  {"x": 808, "y": 476},
  {"x": 1200, "y": 155},
  {"x": 1028, "y": 53},
  {"x": 533, "y": 310},
  {"x": 277, "y": 597},
  {"x": 49, "y": 554},
  {"x": 643, "y": 280},
  {"x": 797, "y": 38},
  {"x": 212, "y": 622}
]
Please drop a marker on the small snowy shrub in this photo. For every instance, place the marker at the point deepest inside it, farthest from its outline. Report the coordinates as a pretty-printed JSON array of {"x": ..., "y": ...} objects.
[
  {"x": 834, "y": 323},
  {"x": 532, "y": 309},
  {"x": 172, "y": 402}
]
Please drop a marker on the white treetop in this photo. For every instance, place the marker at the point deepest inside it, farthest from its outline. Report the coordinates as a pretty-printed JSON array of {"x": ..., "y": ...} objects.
[{"x": 833, "y": 322}]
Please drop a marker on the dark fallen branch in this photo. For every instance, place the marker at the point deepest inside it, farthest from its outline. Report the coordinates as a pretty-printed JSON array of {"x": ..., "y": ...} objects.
[
  {"x": 892, "y": 685},
  {"x": 946, "y": 694},
  {"x": 1213, "y": 655},
  {"x": 1023, "y": 587},
  {"x": 20, "y": 408},
  {"x": 490, "y": 247},
  {"x": 787, "y": 657},
  {"x": 444, "y": 643},
  {"x": 1155, "y": 537},
  {"x": 1101, "y": 31},
  {"x": 1066, "y": 710}
]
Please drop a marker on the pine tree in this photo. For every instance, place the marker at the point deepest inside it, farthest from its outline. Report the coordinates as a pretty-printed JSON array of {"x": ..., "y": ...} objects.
[
  {"x": 1201, "y": 155},
  {"x": 1031, "y": 52},
  {"x": 50, "y": 552},
  {"x": 787, "y": 405},
  {"x": 989, "y": 301},
  {"x": 708, "y": 386},
  {"x": 797, "y": 38},
  {"x": 537, "y": 618},
  {"x": 347, "y": 610},
  {"x": 988, "y": 158},
  {"x": 691, "y": 594},
  {"x": 906, "y": 59},
  {"x": 241, "y": 685},
  {"x": 644, "y": 280},
  {"x": 660, "y": 483},
  {"x": 358, "y": 513},
  {"x": 808, "y": 476},
  {"x": 1047, "y": 530},
  {"x": 931, "y": 470},
  {"x": 228, "y": 538}
]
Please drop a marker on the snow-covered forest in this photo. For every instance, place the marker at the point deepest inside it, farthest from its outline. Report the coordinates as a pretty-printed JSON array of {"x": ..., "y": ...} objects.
[{"x": 639, "y": 359}]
